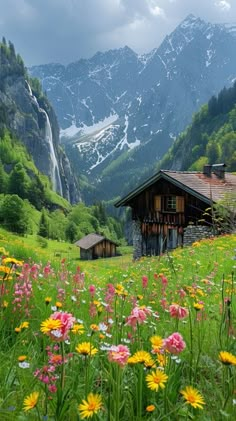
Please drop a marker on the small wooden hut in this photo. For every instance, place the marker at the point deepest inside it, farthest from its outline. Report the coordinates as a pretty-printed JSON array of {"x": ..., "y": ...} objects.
[{"x": 93, "y": 246}]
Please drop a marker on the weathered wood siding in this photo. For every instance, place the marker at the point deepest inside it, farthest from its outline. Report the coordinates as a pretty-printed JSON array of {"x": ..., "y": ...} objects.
[
  {"x": 103, "y": 249},
  {"x": 163, "y": 211}
]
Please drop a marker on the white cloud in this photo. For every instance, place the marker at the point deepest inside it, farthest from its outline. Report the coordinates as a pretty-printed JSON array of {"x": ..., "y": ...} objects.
[
  {"x": 224, "y": 5},
  {"x": 64, "y": 31},
  {"x": 155, "y": 9}
]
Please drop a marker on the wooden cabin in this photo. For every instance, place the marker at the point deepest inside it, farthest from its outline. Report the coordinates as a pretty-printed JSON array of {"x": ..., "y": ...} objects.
[
  {"x": 168, "y": 210},
  {"x": 93, "y": 246}
]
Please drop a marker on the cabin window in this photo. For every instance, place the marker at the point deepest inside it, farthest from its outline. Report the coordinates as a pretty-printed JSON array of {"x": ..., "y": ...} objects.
[{"x": 169, "y": 204}]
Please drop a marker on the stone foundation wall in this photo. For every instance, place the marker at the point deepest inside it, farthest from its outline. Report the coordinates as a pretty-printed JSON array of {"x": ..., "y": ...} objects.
[
  {"x": 137, "y": 240},
  {"x": 194, "y": 233}
]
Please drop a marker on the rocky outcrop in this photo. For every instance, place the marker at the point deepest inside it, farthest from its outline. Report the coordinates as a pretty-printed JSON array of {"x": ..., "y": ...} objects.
[{"x": 34, "y": 122}]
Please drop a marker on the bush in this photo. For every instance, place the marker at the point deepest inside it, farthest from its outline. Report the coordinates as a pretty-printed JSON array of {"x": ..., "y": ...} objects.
[{"x": 42, "y": 242}]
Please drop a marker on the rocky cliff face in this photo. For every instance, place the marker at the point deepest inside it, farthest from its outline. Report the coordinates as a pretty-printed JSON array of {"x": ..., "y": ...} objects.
[
  {"x": 34, "y": 122},
  {"x": 119, "y": 112}
]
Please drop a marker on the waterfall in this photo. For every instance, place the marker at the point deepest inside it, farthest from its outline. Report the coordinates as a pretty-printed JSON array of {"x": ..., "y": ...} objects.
[{"x": 55, "y": 173}]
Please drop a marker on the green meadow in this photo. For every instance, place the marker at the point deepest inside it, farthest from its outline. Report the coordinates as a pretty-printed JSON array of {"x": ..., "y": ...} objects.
[{"x": 112, "y": 339}]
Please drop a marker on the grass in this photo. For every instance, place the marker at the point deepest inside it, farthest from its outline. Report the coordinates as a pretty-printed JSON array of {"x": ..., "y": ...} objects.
[{"x": 117, "y": 302}]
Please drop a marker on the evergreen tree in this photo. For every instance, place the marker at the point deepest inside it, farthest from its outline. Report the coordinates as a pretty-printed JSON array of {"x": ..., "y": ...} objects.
[
  {"x": 213, "y": 106},
  {"x": 213, "y": 152},
  {"x": 3, "y": 179},
  {"x": 100, "y": 213},
  {"x": 12, "y": 50},
  {"x": 18, "y": 181},
  {"x": 36, "y": 193},
  {"x": 71, "y": 232},
  {"x": 14, "y": 215},
  {"x": 43, "y": 225}
]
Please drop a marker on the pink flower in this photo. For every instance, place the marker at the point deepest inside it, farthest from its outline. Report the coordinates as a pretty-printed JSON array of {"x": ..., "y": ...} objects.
[
  {"x": 119, "y": 354},
  {"x": 144, "y": 281},
  {"x": 67, "y": 321},
  {"x": 182, "y": 293},
  {"x": 92, "y": 290},
  {"x": 52, "y": 388},
  {"x": 92, "y": 309},
  {"x": 163, "y": 303},
  {"x": 164, "y": 281},
  {"x": 178, "y": 312},
  {"x": 174, "y": 343},
  {"x": 47, "y": 270},
  {"x": 138, "y": 315}
]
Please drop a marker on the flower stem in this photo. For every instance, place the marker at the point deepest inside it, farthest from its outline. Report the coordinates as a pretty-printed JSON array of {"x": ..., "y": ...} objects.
[
  {"x": 63, "y": 365},
  {"x": 140, "y": 393}
]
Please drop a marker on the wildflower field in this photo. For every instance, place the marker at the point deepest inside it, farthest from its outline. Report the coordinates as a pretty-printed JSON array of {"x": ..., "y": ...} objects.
[{"x": 119, "y": 340}]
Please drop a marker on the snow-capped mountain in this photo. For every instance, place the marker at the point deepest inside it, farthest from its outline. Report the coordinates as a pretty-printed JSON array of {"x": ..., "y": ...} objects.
[{"x": 119, "y": 112}]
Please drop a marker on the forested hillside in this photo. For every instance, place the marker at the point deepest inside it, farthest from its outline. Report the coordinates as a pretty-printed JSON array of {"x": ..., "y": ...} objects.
[
  {"x": 211, "y": 138},
  {"x": 28, "y": 202}
]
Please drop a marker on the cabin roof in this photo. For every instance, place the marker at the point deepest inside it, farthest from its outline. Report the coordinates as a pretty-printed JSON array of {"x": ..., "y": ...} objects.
[
  {"x": 91, "y": 240},
  {"x": 207, "y": 188}
]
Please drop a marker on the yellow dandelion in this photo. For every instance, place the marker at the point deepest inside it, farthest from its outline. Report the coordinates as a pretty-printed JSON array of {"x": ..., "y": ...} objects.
[
  {"x": 96, "y": 303},
  {"x": 157, "y": 343},
  {"x": 156, "y": 379},
  {"x": 162, "y": 360},
  {"x": 24, "y": 325},
  {"x": 47, "y": 300},
  {"x": 5, "y": 269},
  {"x": 17, "y": 329},
  {"x": 12, "y": 261},
  {"x": 22, "y": 358},
  {"x": 86, "y": 348},
  {"x": 193, "y": 397},
  {"x": 120, "y": 290},
  {"x": 58, "y": 304},
  {"x": 78, "y": 329},
  {"x": 31, "y": 401},
  {"x": 227, "y": 358},
  {"x": 50, "y": 324},
  {"x": 90, "y": 406},
  {"x": 142, "y": 357},
  {"x": 150, "y": 408},
  {"x": 198, "y": 306},
  {"x": 94, "y": 327},
  {"x": 5, "y": 304}
]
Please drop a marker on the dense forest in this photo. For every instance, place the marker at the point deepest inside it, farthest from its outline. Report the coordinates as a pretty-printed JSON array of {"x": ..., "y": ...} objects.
[{"x": 211, "y": 138}]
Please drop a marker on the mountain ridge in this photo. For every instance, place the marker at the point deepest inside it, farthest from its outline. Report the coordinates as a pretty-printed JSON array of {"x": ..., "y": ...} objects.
[{"x": 153, "y": 96}]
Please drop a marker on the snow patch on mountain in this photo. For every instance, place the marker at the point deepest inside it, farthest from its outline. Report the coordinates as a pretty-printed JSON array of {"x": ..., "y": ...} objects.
[{"x": 73, "y": 130}]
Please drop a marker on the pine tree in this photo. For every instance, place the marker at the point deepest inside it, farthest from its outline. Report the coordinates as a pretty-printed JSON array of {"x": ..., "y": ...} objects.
[
  {"x": 71, "y": 231},
  {"x": 43, "y": 225},
  {"x": 18, "y": 181}
]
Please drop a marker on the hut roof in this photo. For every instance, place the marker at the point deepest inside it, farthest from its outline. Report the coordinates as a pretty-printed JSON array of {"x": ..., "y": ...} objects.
[
  {"x": 91, "y": 240},
  {"x": 198, "y": 184}
]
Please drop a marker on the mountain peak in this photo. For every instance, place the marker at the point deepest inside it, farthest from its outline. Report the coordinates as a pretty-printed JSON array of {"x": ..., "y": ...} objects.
[{"x": 191, "y": 20}]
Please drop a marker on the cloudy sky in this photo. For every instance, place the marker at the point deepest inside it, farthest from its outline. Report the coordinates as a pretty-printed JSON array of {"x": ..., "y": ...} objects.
[{"x": 45, "y": 31}]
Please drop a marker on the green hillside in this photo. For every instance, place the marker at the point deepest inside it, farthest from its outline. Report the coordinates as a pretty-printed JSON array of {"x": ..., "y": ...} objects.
[{"x": 211, "y": 138}]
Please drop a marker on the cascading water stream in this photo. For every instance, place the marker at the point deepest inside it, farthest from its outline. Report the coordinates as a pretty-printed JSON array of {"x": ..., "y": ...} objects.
[{"x": 55, "y": 173}]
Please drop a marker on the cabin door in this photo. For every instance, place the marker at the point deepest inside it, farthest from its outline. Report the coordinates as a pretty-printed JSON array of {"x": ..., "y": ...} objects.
[{"x": 172, "y": 239}]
